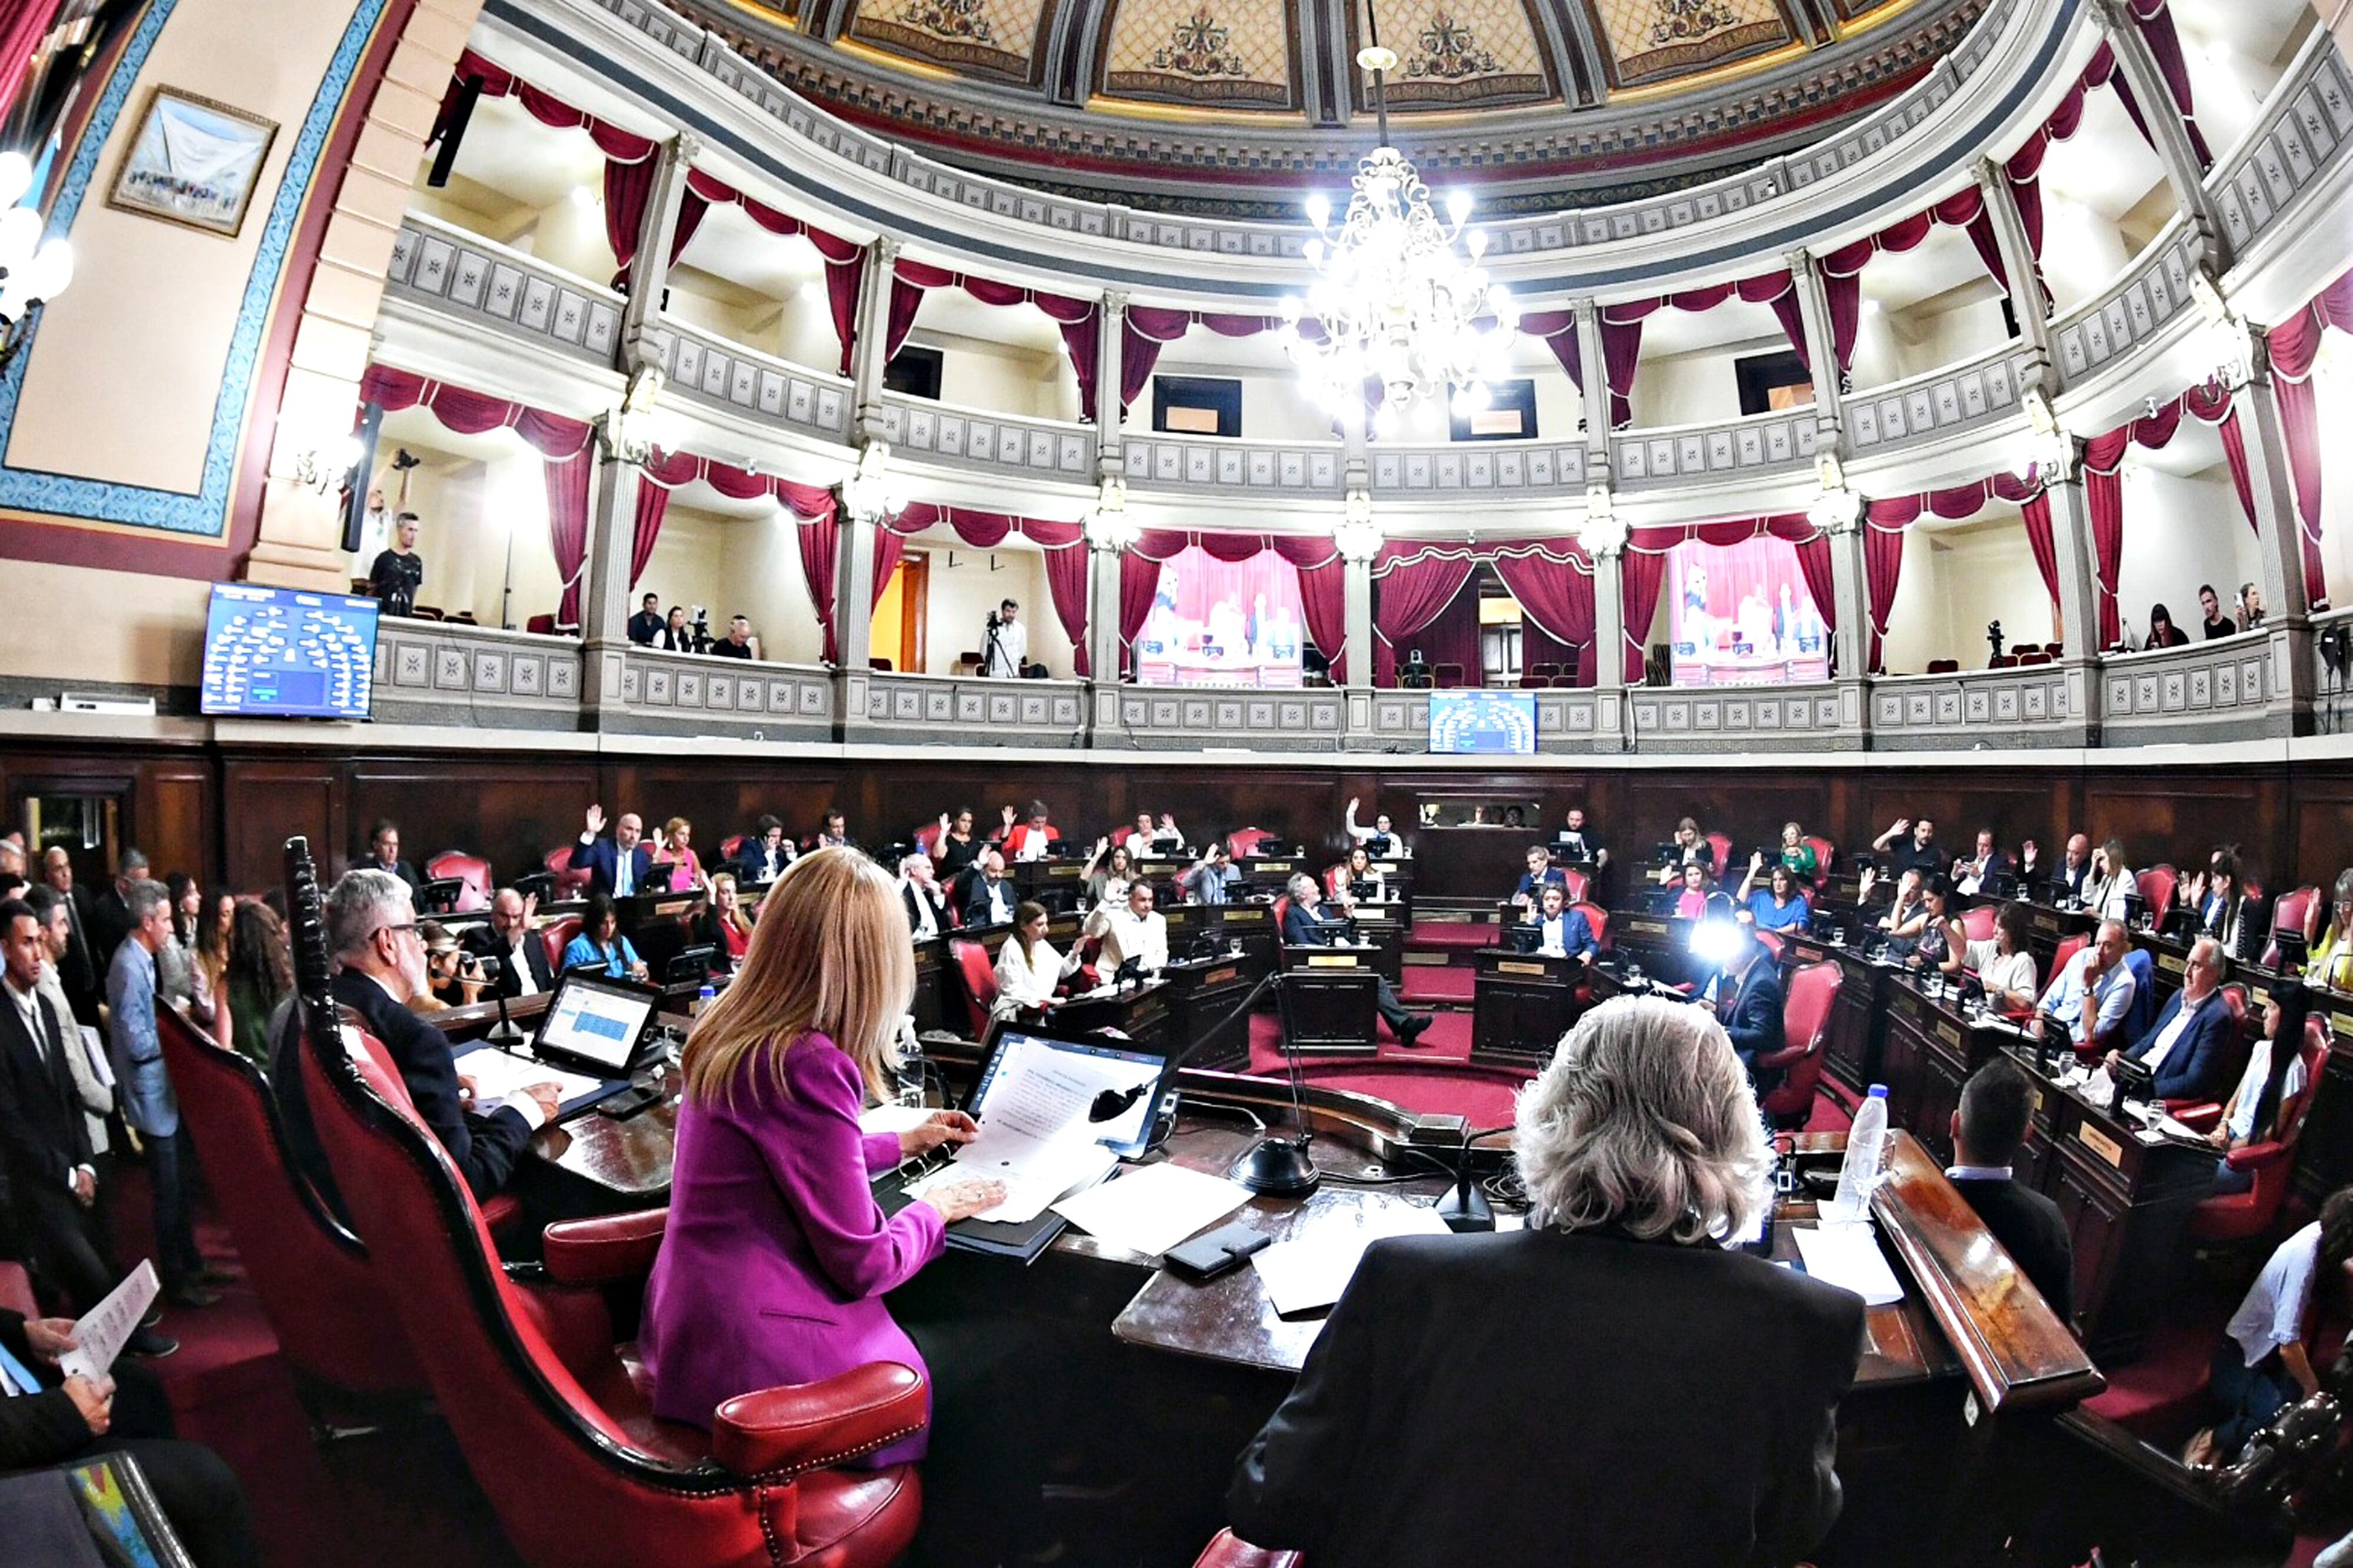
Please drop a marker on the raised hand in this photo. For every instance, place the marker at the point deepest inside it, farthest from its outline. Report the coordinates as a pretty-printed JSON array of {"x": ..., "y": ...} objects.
[
  {"x": 1008, "y": 817},
  {"x": 1756, "y": 862},
  {"x": 596, "y": 820},
  {"x": 1903, "y": 825}
]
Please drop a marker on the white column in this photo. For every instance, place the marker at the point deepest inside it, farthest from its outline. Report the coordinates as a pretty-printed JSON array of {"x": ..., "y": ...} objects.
[
  {"x": 649, "y": 268},
  {"x": 1595, "y": 363},
  {"x": 2287, "y": 597},
  {"x": 2028, "y": 301},
  {"x": 605, "y": 577},
  {"x": 1110, "y": 418},
  {"x": 869, "y": 340},
  {"x": 1103, "y": 615},
  {"x": 853, "y": 589},
  {"x": 1357, "y": 585},
  {"x": 1851, "y": 592},
  {"x": 1608, "y": 618},
  {"x": 2210, "y": 247},
  {"x": 2079, "y": 603}
]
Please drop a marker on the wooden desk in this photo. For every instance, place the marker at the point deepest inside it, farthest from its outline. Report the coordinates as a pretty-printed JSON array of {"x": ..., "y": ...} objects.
[
  {"x": 1384, "y": 926},
  {"x": 1521, "y": 1003},
  {"x": 1139, "y": 1012},
  {"x": 1330, "y": 1000},
  {"x": 1201, "y": 991},
  {"x": 1055, "y": 882},
  {"x": 1659, "y": 943},
  {"x": 656, "y": 925}
]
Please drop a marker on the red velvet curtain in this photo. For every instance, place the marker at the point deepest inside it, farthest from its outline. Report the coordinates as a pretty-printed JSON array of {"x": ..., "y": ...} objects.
[
  {"x": 1146, "y": 328},
  {"x": 1557, "y": 598},
  {"x": 888, "y": 547},
  {"x": 1323, "y": 595},
  {"x": 1411, "y": 585},
  {"x": 820, "y": 543},
  {"x": 1064, "y": 544},
  {"x": 2295, "y": 349},
  {"x": 1639, "y": 572},
  {"x": 21, "y": 32},
  {"x": 2036, "y": 514},
  {"x": 1066, "y": 581},
  {"x": 567, "y": 527},
  {"x": 1077, "y": 319},
  {"x": 1842, "y": 268},
  {"x": 2156, "y": 21},
  {"x": 1883, "y": 572},
  {"x": 845, "y": 262},
  {"x": 655, "y": 481}
]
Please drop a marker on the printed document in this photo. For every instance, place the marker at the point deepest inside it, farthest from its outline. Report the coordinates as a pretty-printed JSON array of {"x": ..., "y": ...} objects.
[
  {"x": 100, "y": 1335},
  {"x": 1035, "y": 1134}
]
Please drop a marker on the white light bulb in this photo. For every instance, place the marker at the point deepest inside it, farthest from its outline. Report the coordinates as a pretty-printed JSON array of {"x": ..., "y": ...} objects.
[
  {"x": 1384, "y": 421},
  {"x": 51, "y": 270},
  {"x": 1458, "y": 206},
  {"x": 20, "y": 232},
  {"x": 1479, "y": 394},
  {"x": 1475, "y": 242},
  {"x": 1315, "y": 252},
  {"x": 15, "y": 177},
  {"x": 1462, "y": 405},
  {"x": 1319, "y": 209}
]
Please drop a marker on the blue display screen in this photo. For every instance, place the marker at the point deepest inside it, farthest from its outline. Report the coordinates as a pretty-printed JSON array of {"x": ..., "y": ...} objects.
[
  {"x": 285, "y": 654},
  {"x": 1483, "y": 723}
]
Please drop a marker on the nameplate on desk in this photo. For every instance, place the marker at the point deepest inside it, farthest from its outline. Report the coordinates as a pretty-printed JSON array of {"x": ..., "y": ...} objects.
[
  {"x": 1273, "y": 866},
  {"x": 1225, "y": 976},
  {"x": 2100, "y": 1143},
  {"x": 1949, "y": 1033},
  {"x": 1647, "y": 928},
  {"x": 667, "y": 909},
  {"x": 1243, "y": 914},
  {"x": 1063, "y": 868},
  {"x": 2342, "y": 1023},
  {"x": 2259, "y": 996},
  {"x": 1505, "y": 966},
  {"x": 2172, "y": 964},
  {"x": 2045, "y": 923},
  {"x": 1332, "y": 961}
]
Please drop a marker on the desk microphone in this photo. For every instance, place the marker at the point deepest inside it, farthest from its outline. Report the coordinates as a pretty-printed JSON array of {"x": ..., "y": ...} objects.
[
  {"x": 1113, "y": 1103},
  {"x": 1466, "y": 1207}
]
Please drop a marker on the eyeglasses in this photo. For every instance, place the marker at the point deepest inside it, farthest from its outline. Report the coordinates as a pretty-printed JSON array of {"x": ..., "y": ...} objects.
[{"x": 406, "y": 925}]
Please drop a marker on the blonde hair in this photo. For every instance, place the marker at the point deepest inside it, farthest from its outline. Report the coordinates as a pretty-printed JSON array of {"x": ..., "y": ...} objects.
[
  {"x": 1645, "y": 1120},
  {"x": 829, "y": 955},
  {"x": 670, "y": 828},
  {"x": 735, "y": 917}
]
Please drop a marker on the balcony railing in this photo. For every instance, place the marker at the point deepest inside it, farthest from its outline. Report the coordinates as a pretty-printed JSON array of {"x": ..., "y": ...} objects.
[
  {"x": 953, "y": 710},
  {"x": 1949, "y": 401},
  {"x": 445, "y": 672},
  {"x": 485, "y": 281},
  {"x": 698, "y": 694},
  {"x": 749, "y": 383},
  {"x": 1731, "y": 451},
  {"x": 1485, "y": 468},
  {"x": 2030, "y": 706},
  {"x": 974, "y": 437},
  {"x": 2194, "y": 688}
]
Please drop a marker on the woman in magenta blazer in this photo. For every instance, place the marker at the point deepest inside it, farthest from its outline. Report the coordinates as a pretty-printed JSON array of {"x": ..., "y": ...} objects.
[{"x": 775, "y": 1258}]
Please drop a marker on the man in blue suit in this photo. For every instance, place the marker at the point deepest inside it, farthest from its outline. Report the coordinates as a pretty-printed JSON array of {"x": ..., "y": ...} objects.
[
  {"x": 144, "y": 1092},
  {"x": 2191, "y": 1050},
  {"x": 1561, "y": 929},
  {"x": 1303, "y": 927},
  {"x": 1541, "y": 874},
  {"x": 1749, "y": 1005},
  {"x": 617, "y": 868}
]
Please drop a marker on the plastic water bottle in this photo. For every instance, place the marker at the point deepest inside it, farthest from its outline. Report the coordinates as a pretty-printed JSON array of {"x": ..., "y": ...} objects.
[
  {"x": 1865, "y": 1143},
  {"x": 704, "y": 998}
]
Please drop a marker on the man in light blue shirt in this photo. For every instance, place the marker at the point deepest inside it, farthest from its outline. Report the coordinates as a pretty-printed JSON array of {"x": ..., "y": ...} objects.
[
  {"x": 1206, "y": 883},
  {"x": 145, "y": 1091},
  {"x": 2094, "y": 992}
]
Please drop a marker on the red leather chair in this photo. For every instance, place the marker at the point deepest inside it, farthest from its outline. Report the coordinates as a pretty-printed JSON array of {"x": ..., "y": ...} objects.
[
  {"x": 1244, "y": 841},
  {"x": 1824, "y": 852},
  {"x": 1977, "y": 922},
  {"x": 1577, "y": 883},
  {"x": 471, "y": 869},
  {"x": 979, "y": 977},
  {"x": 1771, "y": 941},
  {"x": 544, "y": 625},
  {"x": 333, "y": 1317},
  {"x": 927, "y": 837},
  {"x": 1720, "y": 844},
  {"x": 1281, "y": 907},
  {"x": 558, "y": 934},
  {"x": 569, "y": 883},
  {"x": 16, "y": 1291},
  {"x": 1230, "y": 1551},
  {"x": 2067, "y": 949},
  {"x": 2156, "y": 886},
  {"x": 554, "y": 1419},
  {"x": 1806, "y": 1000},
  {"x": 2205, "y": 1115},
  {"x": 2248, "y": 1216},
  {"x": 2290, "y": 912},
  {"x": 730, "y": 849},
  {"x": 1943, "y": 666},
  {"x": 1598, "y": 919}
]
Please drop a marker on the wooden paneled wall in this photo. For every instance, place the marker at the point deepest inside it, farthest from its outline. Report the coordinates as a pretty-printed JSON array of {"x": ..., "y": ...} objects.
[{"x": 228, "y": 811}]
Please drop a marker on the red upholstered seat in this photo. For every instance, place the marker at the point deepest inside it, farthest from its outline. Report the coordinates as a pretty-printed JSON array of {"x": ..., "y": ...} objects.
[
  {"x": 2156, "y": 886},
  {"x": 558, "y": 934},
  {"x": 544, "y": 626},
  {"x": 569, "y": 883},
  {"x": 1244, "y": 841},
  {"x": 1824, "y": 852},
  {"x": 1281, "y": 907},
  {"x": 1230, "y": 1551},
  {"x": 927, "y": 836},
  {"x": 16, "y": 1291},
  {"x": 1721, "y": 844},
  {"x": 1598, "y": 919},
  {"x": 1943, "y": 666},
  {"x": 730, "y": 848},
  {"x": 2291, "y": 912},
  {"x": 979, "y": 976},
  {"x": 2248, "y": 1216},
  {"x": 1770, "y": 941},
  {"x": 331, "y": 1312},
  {"x": 1577, "y": 883},
  {"x": 1977, "y": 922},
  {"x": 553, "y": 1419},
  {"x": 1806, "y": 1004},
  {"x": 471, "y": 869}
]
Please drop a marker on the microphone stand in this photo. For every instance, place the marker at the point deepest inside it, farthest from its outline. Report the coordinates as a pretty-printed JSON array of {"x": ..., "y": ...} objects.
[
  {"x": 1466, "y": 1208},
  {"x": 506, "y": 1031},
  {"x": 1278, "y": 1167}
]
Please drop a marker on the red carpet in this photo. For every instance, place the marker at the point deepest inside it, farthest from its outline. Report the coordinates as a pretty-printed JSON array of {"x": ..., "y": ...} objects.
[
  {"x": 1426, "y": 983},
  {"x": 1435, "y": 1076}
]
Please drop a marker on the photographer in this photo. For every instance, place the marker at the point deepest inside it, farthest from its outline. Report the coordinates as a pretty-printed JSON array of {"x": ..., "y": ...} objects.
[
  {"x": 1008, "y": 642},
  {"x": 453, "y": 976}
]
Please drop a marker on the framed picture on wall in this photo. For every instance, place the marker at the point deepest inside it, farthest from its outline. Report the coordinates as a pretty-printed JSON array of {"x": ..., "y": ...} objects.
[{"x": 192, "y": 161}]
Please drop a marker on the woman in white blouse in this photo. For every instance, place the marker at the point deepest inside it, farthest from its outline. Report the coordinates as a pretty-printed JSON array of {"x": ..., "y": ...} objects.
[
  {"x": 2262, "y": 1363},
  {"x": 2109, "y": 881},
  {"x": 2002, "y": 962},
  {"x": 1028, "y": 967}
]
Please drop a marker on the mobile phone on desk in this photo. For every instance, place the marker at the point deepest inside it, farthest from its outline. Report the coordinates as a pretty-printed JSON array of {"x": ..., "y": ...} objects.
[{"x": 628, "y": 1102}]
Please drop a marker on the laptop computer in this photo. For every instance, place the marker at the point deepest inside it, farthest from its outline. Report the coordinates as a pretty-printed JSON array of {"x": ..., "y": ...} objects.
[{"x": 590, "y": 1039}]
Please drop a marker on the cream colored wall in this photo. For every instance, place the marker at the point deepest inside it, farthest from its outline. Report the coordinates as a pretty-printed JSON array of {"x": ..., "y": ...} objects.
[
  {"x": 1690, "y": 389},
  {"x": 2083, "y": 253},
  {"x": 963, "y": 591},
  {"x": 2180, "y": 532},
  {"x": 764, "y": 581},
  {"x": 469, "y": 511},
  {"x": 75, "y": 625},
  {"x": 795, "y": 330},
  {"x": 1955, "y": 581},
  {"x": 1002, "y": 380},
  {"x": 159, "y": 296},
  {"x": 1944, "y": 330},
  {"x": 2332, "y": 398}
]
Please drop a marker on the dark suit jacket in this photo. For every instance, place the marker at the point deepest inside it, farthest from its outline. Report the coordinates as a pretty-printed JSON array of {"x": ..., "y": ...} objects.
[
  {"x": 36, "y": 1429},
  {"x": 646, "y": 625},
  {"x": 2031, "y": 1230},
  {"x": 484, "y": 1148},
  {"x": 483, "y": 943},
  {"x": 1532, "y": 883},
  {"x": 975, "y": 902},
  {"x": 1660, "y": 1404},
  {"x": 1301, "y": 928},
  {"x": 2199, "y": 1064},
  {"x": 601, "y": 861},
  {"x": 110, "y": 923},
  {"x": 78, "y": 971},
  {"x": 751, "y": 861},
  {"x": 1752, "y": 1014},
  {"x": 908, "y": 895},
  {"x": 1576, "y": 939},
  {"x": 42, "y": 1133},
  {"x": 400, "y": 869}
]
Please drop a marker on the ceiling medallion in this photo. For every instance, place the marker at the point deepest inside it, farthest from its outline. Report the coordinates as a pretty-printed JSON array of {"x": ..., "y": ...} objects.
[{"x": 1395, "y": 302}]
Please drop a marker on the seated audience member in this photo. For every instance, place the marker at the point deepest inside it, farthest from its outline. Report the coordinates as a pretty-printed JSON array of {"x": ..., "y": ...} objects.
[
  {"x": 149, "y": 1106},
  {"x": 2003, "y": 962},
  {"x": 1580, "y": 840},
  {"x": 990, "y": 901},
  {"x": 1721, "y": 1374},
  {"x": 1941, "y": 947},
  {"x": 2162, "y": 632},
  {"x": 1748, "y": 1004},
  {"x": 1539, "y": 875},
  {"x": 919, "y": 891},
  {"x": 1562, "y": 930},
  {"x": 1131, "y": 929},
  {"x": 523, "y": 969},
  {"x": 738, "y": 642},
  {"x": 764, "y": 853},
  {"x": 774, "y": 1231},
  {"x": 2092, "y": 994},
  {"x": 2217, "y": 899},
  {"x": 1028, "y": 835},
  {"x": 453, "y": 976},
  {"x": 384, "y": 854},
  {"x": 1138, "y": 839},
  {"x": 2272, "y": 1079},
  {"x": 1205, "y": 883},
  {"x": 724, "y": 923},
  {"x": 1779, "y": 905},
  {"x": 1381, "y": 840},
  {"x": 954, "y": 847},
  {"x": 1303, "y": 927},
  {"x": 620, "y": 867},
  {"x": 647, "y": 624},
  {"x": 1972, "y": 871},
  {"x": 2190, "y": 1051},
  {"x": 47, "y": 1418},
  {"x": 1028, "y": 968},
  {"x": 2110, "y": 885},
  {"x": 1796, "y": 854},
  {"x": 2264, "y": 1361},
  {"x": 677, "y": 633},
  {"x": 12, "y": 857},
  {"x": 1690, "y": 847},
  {"x": 676, "y": 868},
  {"x": 2329, "y": 963},
  {"x": 1917, "y": 852},
  {"x": 1109, "y": 871},
  {"x": 600, "y": 946},
  {"x": 835, "y": 834},
  {"x": 398, "y": 575},
  {"x": 2250, "y": 607},
  {"x": 1989, "y": 1131},
  {"x": 1694, "y": 900},
  {"x": 2069, "y": 880},
  {"x": 371, "y": 927},
  {"x": 2217, "y": 623},
  {"x": 1907, "y": 913}
]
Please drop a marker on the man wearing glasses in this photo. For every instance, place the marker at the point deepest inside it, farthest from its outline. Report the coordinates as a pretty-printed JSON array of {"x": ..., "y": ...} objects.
[{"x": 371, "y": 927}]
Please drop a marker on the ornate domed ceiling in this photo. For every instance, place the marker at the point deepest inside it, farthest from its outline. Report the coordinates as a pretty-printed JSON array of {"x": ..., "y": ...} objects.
[{"x": 1237, "y": 105}]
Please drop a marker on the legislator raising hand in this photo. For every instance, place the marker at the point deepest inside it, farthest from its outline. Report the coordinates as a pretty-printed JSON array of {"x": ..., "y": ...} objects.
[{"x": 596, "y": 820}]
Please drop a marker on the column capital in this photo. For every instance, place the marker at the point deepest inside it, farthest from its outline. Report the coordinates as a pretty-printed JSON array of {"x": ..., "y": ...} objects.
[
  {"x": 1114, "y": 302},
  {"x": 686, "y": 146}
]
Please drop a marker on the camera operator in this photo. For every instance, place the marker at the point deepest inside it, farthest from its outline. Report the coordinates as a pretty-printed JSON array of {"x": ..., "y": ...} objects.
[
  {"x": 1008, "y": 642},
  {"x": 453, "y": 976}
]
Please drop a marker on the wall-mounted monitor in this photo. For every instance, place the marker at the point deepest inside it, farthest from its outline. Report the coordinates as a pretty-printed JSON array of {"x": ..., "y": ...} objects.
[
  {"x": 1508, "y": 414},
  {"x": 1483, "y": 723},
  {"x": 1196, "y": 406},
  {"x": 281, "y": 653}
]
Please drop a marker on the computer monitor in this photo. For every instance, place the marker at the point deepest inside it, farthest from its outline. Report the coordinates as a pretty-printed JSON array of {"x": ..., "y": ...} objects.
[
  {"x": 440, "y": 896},
  {"x": 596, "y": 1024},
  {"x": 1129, "y": 1081},
  {"x": 692, "y": 965},
  {"x": 1524, "y": 938}
]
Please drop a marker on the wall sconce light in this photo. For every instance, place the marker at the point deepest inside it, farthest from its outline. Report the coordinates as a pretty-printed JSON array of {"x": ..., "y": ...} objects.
[
  {"x": 1603, "y": 531},
  {"x": 870, "y": 495},
  {"x": 1359, "y": 534},
  {"x": 326, "y": 463},
  {"x": 1108, "y": 525}
]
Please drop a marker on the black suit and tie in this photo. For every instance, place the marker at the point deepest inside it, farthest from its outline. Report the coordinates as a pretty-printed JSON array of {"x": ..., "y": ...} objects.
[
  {"x": 483, "y": 941},
  {"x": 1751, "y": 1014},
  {"x": 79, "y": 969},
  {"x": 110, "y": 923},
  {"x": 921, "y": 900},
  {"x": 44, "y": 1140},
  {"x": 2031, "y": 1230},
  {"x": 1660, "y": 1404},
  {"x": 988, "y": 903}
]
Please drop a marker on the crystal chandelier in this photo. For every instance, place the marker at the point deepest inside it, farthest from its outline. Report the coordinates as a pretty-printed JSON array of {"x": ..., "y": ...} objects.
[
  {"x": 1395, "y": 301},
  {"x": 32, "y": 270}
]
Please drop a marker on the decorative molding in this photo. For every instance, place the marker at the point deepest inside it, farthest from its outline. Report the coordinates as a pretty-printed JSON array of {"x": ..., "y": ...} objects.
[
  {"x": 458, "y": 672},
  {"x": 2228, "y": 677},
  {"x": 760, "y": 387},
  {"x": 1283, "y": 468},
  {"x": 876, "y": 704},
  {"x": 698, "y": 694},
  {"x": 1555, "y": 468},
  {"x": 1041, "y": 449},
  {"x": 2019, "y": 706},
  {"x": 1941, "y": 402},
  {"x": 1735, "y": 449},
  {"x": 472, "y": 277},
  {"x": 1188, "y": 718}
]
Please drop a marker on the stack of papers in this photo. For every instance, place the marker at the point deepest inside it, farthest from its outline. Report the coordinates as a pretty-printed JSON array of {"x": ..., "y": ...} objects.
[
  {"x": 1153, "y": 1209},
  {"x": 1304, "y": 1275},
  {"x": 1038, "y": 1135},
  {"x": 496, "y": 1075},
  {"x": 1848, "y": 1257}
]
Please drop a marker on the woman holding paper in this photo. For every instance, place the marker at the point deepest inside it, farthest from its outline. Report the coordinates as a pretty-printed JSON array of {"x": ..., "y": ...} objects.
[
  {"x": 1028, "y": 967},
  {"x": 777, "y": 1257}
]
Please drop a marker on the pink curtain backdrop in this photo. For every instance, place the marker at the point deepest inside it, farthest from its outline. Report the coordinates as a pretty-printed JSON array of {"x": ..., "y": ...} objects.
[
  {"x": 1731, "y": 571},
  {"x": 845, "y": 262},
  {"x": 1077, "y": 319},
  {"x": 1224, "y": 588},
  {"x": 563, "y": 444},
  {"x": 1146, "y": 328},
  {"x": 1413, "y": 580},
  {"x": 1642, "y": 565},
  {"x": 2295, "y": 349},
  {"x": 1323, "y": 594}
]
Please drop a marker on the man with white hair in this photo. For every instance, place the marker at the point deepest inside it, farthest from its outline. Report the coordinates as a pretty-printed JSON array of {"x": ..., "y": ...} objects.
[
  {"x": 380, "y": 959},
  {"x": 1303, "y": 927},
  {"x": 1689, "y": 1392},
  {"x": 2188, "y": 1052},
  {"x": 918, "y": 890}
]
